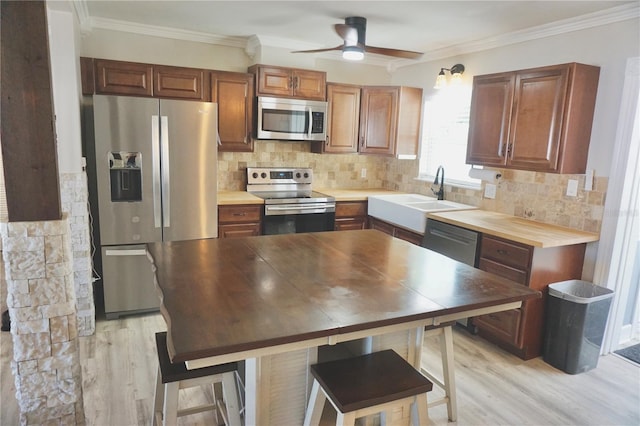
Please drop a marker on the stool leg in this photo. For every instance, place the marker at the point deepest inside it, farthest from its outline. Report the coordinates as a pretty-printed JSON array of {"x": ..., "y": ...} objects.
[
  {"x": 346, "y": 419},
  {"x": 316, "y": 405},
  {"x": 158, "y": 398},
  {"x": 420, "y": 404},
  {"x": 170, "y": 407},
  {"x": 446, "y": 347},
  {"x": 230, "y": 395}
]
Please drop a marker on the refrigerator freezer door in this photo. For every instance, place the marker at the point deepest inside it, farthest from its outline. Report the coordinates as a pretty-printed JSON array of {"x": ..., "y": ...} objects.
[
  {"x": 188, "y": 133},
  {"x": 124, "y": 125},
  {"x": 128, "y": 281}
]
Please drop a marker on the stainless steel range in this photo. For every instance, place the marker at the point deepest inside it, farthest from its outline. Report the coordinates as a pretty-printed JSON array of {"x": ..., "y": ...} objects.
[{"x": 290, "y": 205}]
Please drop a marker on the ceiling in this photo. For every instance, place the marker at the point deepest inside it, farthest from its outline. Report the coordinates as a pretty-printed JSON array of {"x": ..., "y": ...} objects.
[{"x": 437, "y": 28}]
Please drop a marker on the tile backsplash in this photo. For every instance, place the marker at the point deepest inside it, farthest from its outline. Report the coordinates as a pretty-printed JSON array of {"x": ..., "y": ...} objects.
[{"x": 531, "y": 195}]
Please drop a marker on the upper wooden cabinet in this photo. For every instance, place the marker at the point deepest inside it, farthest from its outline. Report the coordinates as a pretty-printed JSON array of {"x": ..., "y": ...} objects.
[
  {"x": 138, "y": 79},
  {"x": 343, "y": 120},
  {"x": 390, "y": 120},
  {"x": 234, "y": 92},
  {"x": 123, "y": 78},
  {"x": 537, "y": 119},
  {"x": 181, "y": 83},
  {"x": 289, "y": 82}
]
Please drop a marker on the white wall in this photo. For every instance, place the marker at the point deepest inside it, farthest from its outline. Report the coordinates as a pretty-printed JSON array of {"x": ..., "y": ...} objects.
[
  {"x": 66, "y": 89},
  {"x": 606, "y": 46}
]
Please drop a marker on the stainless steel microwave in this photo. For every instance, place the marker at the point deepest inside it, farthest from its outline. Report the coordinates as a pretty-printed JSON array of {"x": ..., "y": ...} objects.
[{"x": 291, "y": 119}]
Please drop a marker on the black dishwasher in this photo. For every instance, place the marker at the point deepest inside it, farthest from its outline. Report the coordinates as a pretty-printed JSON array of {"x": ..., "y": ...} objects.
[
  {"x": 456, "y": 243},
  {"x": 453, "y": 241}
]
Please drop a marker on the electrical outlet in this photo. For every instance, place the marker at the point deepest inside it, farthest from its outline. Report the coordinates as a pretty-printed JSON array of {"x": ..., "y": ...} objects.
[
  {"x": 572, "y": 188},
  {"x": 363, "y": 173},
  {"x": 490, "y": 191}
]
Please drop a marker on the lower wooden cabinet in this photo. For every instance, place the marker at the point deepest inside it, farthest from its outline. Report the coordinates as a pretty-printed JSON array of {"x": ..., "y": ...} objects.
[
  {"x": 395, "y": 231},
  {"x": 520, "y": 331},
  {"x": 351, "y": 215},
  {"x": 239, "y": 220}
]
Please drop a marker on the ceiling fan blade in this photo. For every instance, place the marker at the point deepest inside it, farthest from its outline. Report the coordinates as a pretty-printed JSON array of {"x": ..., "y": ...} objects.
[
  {"x": 348, "y": 33},
  {"x": 405, "y": 54},
  {"x": 319, "y": 50}
]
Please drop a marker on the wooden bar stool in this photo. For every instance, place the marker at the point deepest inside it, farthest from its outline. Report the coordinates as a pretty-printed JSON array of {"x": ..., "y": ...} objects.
[
  {"x": 448, "y": 383},
  {"x": 174, "y": 376},
  {"x": 367, "y": 384}
]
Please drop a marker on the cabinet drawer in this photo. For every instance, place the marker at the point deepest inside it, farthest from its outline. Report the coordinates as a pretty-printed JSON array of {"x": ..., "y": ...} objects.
[
  {"x": 504, "y": 271},
  {"x": 237, "y": 214},
  {"x": 508, "y": 253},
  {"x": 239, "y": 230},
  {"x": 503, "y": 325},
  {"x": 351, "y": 208}
]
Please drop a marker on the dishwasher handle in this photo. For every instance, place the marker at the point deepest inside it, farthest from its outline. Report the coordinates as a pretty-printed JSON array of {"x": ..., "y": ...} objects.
[{"x": 451, "y": 237}]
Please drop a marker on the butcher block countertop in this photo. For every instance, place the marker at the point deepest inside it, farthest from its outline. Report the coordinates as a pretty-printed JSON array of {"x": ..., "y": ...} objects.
[
  {"x": 228, "y": 198},
  {"x": 359, "y": 194},
  {"x": 536, "y": 234}
]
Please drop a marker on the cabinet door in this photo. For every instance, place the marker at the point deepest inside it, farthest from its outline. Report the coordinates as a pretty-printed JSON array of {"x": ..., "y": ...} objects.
[
  {"x": 233, "y": 92},
  {"x": 351, "y": 223},
  {"x": 491, "y": 103},
  {"x": 381, "y": 226},
  {"x": 181, "y": 83},
  {"x": 409, "y": 236},
  {"x": 309, "y": 84},
  {"x": 123, "y": 78},
  {"x": 274, "y": 81},
  {"x": 343, "y": 121},
  {"x": 537, "y": 119},
  {"x": 378, "y": 120}
]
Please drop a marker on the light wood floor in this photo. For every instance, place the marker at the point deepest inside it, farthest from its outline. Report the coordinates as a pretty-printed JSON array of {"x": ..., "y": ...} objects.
[{"x": 494, "y": 388}]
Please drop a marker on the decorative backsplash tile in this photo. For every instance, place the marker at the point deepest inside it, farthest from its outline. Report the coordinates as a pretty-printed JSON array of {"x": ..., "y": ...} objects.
[{"x": 532, "y": 195}]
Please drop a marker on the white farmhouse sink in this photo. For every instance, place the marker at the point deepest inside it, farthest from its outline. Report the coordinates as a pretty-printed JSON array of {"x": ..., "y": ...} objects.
[{"x": 409, "y": 210}]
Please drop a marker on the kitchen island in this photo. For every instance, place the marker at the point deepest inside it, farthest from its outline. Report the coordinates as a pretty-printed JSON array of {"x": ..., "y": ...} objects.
[{"x": 273, "y": 300}]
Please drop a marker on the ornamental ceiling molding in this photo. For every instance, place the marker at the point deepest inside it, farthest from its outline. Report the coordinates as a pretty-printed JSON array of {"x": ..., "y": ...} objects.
[{"x": 252, "y": 43}]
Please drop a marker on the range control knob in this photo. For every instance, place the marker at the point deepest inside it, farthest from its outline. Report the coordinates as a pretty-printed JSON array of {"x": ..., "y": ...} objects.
[
  {"x": 306, "y": 175},
  {"x": 298, "y": 175},
  {"x": 255, "y": 175},
  {"x": 263, "y": 175}
]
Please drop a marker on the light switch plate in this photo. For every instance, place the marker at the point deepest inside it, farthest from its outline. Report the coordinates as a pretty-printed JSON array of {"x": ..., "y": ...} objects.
[
  {"x": 588, "y": 180},
  {"x": 572, "y": 188},
  {"x": 490, "y": 191}
]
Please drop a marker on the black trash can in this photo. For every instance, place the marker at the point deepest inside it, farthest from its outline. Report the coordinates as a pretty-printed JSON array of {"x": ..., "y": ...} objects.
[{"x": 577, "y": 314}]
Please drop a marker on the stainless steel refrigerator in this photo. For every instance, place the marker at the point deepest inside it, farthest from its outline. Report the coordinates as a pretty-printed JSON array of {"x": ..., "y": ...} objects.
[{"x": 156, "y": 165}]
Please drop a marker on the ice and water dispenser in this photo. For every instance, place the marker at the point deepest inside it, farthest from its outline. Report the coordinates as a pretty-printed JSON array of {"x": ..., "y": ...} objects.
[{"x": 125, "y": 169}]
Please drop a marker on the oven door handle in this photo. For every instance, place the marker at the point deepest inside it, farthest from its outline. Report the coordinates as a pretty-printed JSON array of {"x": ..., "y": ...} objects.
[{"x": 300, "y": 207}]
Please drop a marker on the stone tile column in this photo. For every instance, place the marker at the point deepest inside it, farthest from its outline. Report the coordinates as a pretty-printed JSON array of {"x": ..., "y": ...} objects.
[{"x": 41, "y": 301}]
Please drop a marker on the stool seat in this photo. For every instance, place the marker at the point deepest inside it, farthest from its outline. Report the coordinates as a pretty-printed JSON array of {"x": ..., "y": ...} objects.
[
  {"x": 366, "y": 384},
  {"x": 175, "y": 372},
  {"x": 175, "y": 376}
]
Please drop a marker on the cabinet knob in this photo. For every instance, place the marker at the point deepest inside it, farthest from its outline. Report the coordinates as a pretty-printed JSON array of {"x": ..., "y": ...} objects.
[{"x": 502, "y": 252}]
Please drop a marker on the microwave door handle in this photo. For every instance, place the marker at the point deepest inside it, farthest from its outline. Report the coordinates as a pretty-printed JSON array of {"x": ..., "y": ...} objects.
[{"x": 310, "y": 122}]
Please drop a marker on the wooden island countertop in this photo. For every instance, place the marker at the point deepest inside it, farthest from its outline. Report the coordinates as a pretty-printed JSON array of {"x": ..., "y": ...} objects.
[{"x": 525, "y": 231}]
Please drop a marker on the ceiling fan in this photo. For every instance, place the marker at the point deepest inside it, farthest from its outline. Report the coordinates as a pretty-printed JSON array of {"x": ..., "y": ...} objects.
[{"x": 353, "y": 32}]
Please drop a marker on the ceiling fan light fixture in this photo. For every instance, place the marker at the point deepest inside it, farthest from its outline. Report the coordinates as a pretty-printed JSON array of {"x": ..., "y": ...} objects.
[{"x": 353, "y": 53}]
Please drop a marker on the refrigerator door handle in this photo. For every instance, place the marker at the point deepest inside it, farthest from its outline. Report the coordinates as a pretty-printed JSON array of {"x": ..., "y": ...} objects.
[
  {"x": 155, "y": 153},
  {"x": 166, "y": 192}
]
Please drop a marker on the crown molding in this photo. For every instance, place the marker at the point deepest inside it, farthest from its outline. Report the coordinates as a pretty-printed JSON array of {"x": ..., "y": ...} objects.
[
  {"x": 165, "y": 32},
  {"x": 595, "y": 19},
  {"x": 251, "y": 44}
]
